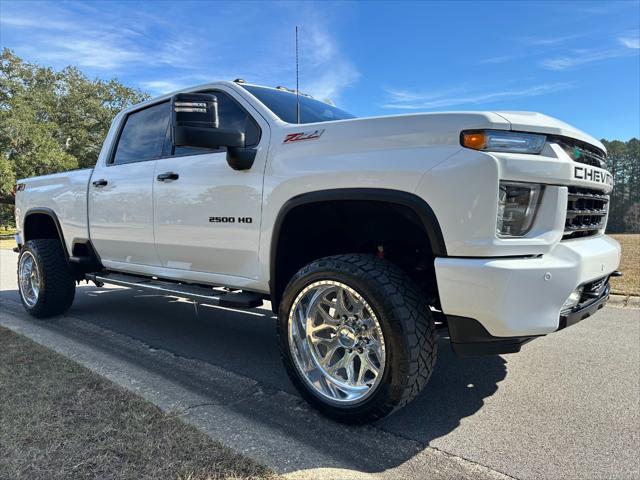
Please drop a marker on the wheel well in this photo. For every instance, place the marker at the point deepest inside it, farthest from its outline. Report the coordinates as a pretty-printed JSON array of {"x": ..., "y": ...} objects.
[
  {"x": 314, "y": 230},
  {"x": 41, "y": 225}
]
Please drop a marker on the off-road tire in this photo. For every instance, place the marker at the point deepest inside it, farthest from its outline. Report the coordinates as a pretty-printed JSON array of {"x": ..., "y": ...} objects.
[
  {"x": 407, "y": 325},
  {"x": 57, "y": 283}
]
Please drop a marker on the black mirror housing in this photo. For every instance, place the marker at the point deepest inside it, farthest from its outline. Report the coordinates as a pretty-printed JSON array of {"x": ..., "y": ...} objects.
[
  {"x": 241, "y": 158},
  {"x": 194, "y": 123},
  {"x": 206, "y": 137},
  {"x": 194, "y": 110}
]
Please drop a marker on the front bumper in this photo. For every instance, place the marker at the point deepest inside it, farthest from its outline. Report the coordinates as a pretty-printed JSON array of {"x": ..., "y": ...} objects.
[
  {"x": 585, "y": 310},
  {"x": 469, "y": 337},
  {"x": 522, "y": 297}
]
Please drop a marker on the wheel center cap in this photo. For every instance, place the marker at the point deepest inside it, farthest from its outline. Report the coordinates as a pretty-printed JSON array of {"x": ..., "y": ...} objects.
[{"x": 347, "y": 337}]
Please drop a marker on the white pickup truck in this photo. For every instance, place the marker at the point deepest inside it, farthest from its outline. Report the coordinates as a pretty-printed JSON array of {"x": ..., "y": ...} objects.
[{"x": 365, "y": 234}]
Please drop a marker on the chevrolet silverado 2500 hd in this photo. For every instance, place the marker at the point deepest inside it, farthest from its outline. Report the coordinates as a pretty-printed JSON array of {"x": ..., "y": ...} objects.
[{"x": 363, "y": 233}]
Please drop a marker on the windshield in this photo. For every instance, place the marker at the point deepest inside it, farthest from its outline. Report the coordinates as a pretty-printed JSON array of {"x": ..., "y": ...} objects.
[{"x": 283, "y": 104}]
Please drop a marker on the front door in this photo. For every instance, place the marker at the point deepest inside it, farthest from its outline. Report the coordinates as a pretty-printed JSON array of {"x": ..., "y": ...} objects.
[
  {"x": 207, "y": 215},
  {"x": 121, "y": 192}
]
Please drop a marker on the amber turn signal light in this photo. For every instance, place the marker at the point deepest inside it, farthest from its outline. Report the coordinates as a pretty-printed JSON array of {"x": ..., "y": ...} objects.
[{"x": 475, "y": 140}]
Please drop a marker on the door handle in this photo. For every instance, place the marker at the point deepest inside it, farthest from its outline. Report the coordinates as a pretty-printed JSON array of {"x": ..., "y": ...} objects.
[
  {"x": 163, "y": 177},
  {"x": 100, "y": 183}
]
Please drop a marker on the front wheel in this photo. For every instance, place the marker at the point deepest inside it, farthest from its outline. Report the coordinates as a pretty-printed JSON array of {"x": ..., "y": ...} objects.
[
  {"x": 46, "y": 283},
  {"x": 356, "y": 337}
]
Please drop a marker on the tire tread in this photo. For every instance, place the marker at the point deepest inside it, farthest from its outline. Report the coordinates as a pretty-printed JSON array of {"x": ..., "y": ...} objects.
[
  {"x": 411, "y": 310},
  {"x": 58, "y": 283}
]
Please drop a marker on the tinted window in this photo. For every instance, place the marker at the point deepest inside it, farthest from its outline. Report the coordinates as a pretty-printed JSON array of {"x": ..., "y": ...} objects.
[
  {"x": 231, "y": 116},
  {"x": 283, "y": 104},
  {"x": 143, "y": 134}
]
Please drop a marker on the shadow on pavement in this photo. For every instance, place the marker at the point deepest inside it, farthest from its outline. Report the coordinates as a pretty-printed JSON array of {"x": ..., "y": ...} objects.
[{"x": 244, "y": 342}]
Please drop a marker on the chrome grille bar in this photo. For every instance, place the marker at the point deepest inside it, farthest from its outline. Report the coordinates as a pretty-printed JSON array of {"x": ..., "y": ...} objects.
[{"x": 586, "y": 212}]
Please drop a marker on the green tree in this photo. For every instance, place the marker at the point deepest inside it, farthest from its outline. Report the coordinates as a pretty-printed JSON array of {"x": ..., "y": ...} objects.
[
  {"x": 624, "y": 164},
  {"x": 52, "y": 121}
]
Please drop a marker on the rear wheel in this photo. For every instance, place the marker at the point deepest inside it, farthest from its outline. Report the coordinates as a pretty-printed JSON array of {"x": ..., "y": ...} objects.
[
  {"x": 356, "y": 336},
  {"x": 46, "y": 283}
]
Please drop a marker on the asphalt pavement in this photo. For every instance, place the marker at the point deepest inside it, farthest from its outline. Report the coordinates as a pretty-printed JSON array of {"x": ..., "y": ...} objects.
[{"x": 567, "y": 406}]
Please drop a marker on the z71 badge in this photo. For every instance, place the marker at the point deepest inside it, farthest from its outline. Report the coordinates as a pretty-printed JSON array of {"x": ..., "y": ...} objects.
[{"x": 300, "y": 136}]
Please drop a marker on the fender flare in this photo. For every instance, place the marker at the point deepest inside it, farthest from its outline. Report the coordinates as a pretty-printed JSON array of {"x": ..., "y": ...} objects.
[
  {"x": 50, "y": 213},
  {"x": 419, "y": 206}
]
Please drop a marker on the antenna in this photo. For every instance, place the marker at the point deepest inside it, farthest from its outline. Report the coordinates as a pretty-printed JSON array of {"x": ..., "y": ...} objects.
[{"x": 297, "y": 82}]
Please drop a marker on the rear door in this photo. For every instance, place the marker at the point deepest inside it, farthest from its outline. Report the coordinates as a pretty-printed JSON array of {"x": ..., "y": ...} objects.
[
  {"x": 207, "y": 216},
  {"x": 121, "y": 192}
]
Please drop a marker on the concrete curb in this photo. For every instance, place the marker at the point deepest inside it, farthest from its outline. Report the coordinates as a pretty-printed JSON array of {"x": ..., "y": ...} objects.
[{"x": 624, "y": 301}]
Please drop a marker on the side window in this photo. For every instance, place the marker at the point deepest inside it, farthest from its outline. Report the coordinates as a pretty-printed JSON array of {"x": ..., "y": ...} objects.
[
  {"x": 231, "y": 116},
  {"x": 143, "y": 135}
]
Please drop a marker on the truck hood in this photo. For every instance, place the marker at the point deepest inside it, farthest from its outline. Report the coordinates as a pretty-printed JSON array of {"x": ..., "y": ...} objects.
[
  {"x": 540, "y": 123},
  {"x": 412, "y": 131}
]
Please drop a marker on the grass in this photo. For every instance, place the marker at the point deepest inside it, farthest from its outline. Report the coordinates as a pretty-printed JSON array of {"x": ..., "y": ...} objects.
[
  {"x": 7, "y": 243},
  {"x": 6, "y": 238},
  {"x": 629, "y": 283},
  {"x": 59, "y": 420}
]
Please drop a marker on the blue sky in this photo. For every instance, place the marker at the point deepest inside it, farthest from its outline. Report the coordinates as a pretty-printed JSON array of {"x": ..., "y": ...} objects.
[{"x": 578, "y": 60}]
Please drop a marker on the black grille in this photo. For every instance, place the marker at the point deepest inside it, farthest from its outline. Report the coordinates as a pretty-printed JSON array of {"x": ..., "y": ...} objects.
[
  {"x": 592, "y": 292},
  {"x": 581, "y": 152},
  {"x": 586, "y": 212},
  {"x": 594, "y": 289}
]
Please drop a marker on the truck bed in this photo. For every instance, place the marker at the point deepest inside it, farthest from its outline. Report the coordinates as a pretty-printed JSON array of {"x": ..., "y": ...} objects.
[{"x": 63, "y": 193}]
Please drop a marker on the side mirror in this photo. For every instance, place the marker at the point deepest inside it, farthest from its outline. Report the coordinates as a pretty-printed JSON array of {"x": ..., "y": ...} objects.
[
  {"x": 194, "y": 123},
  {"x": 240, "y": 158}
]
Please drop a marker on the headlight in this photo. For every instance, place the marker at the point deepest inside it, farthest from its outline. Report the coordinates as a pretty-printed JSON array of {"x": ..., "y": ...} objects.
[
  {"x": 517, "y": 207},
  {"x": 503, "y": 141}
]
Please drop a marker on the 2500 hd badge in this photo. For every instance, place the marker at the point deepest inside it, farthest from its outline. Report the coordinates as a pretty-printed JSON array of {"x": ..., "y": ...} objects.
[{"x": 230, "y": 220}]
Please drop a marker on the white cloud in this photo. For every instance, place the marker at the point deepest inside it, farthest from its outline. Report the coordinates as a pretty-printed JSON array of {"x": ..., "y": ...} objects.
[
  {"x": 425, "y": 101},
  {"x": 160, "y": 87},
  {"x": 160, "y": 57},
  {"x": 499, "y": 59},
  {"x": 326, "y": 72},
  {"x": 546, "y": 41},
  {"x": 89, "y": 43},
  {"x": 31, "y": 22},
  {"x": 630, "y": 41},
  {"x": 540, "y": 43},
  {"x": 581, "y": 57},
  {"x": 570, "y": 59},
  {"x": 102, "y": 53}
]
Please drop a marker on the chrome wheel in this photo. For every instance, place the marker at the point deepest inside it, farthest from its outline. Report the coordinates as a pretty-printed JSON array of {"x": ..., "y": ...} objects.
[
  {"x": 29, "y": 279},
  {"x": 336, "y": 342}
]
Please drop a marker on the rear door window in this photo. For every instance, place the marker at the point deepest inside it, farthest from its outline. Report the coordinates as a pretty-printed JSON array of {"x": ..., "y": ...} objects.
[{"x": 143, "y": 135}]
